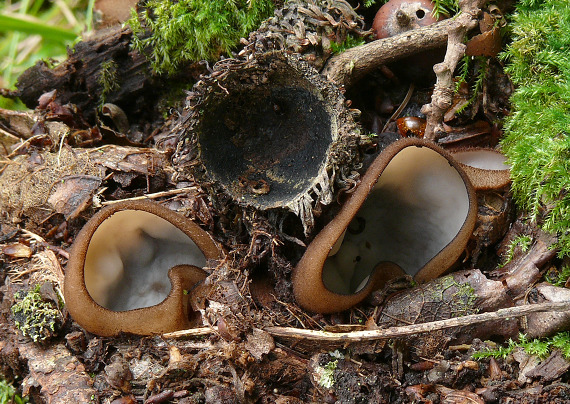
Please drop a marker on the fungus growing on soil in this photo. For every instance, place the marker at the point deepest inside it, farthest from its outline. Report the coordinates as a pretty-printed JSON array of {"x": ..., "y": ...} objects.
[
  {"x": 131, "y": 268},
  {"x": 486, "y": 168},
  {"x": 264, "y": 133},
  {"x": 413, "y": 213}
]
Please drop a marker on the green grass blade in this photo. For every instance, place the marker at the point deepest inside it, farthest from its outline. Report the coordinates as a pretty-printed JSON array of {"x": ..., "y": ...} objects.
[{"x": 14, "y": 23}]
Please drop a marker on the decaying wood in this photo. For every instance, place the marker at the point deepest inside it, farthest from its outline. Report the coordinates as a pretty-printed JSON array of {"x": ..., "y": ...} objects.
[
  {"x": 351, "y": 65},
  {"x": 397, "y": 332},
  {"x": 78, "y": 78},
  {"x": 59, "y": 375}
]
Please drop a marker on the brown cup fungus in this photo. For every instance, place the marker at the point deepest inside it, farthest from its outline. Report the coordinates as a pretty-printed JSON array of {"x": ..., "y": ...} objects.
[
  {"x": 413, "y": 213},
  {"x": 263, "y": 131},
  {"x": 132, "y": 268},
  {"x": 486, "y": 168}
]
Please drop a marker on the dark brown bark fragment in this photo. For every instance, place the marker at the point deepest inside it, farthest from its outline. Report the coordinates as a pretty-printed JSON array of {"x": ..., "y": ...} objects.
[{"x": 77, "y": 79}]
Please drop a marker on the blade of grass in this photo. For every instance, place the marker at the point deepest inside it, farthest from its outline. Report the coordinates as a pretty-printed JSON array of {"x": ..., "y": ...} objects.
[
  {"x": 89, "y": 15},
  {"x": 16, "y": 23}
]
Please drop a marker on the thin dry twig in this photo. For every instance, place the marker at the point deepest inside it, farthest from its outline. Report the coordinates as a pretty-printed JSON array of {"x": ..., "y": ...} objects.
[
  {"x": 443, "y": 91},
  {"x": 398, "y": 332},
  {"x": 153, "y": 196},
  {"x": 193, "y": 332}
]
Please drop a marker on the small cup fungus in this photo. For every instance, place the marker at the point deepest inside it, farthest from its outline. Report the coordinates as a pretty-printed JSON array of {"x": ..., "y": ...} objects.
[
  {"x": 486, "y": 168},
  {"x": 413, "y": 213},
  {"x": 131, "y": 268}
]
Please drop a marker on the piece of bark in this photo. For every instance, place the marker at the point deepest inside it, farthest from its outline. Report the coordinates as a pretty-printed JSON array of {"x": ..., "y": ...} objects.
[
  {"x": 544, "y": 324},
  {"x": 551, "y": 368},
  {"x": 351, "y": 65},
  {"x": 77, "y": 79},
  {"x": 58, "y": 375},
  {"x": 523, "y": 271}
]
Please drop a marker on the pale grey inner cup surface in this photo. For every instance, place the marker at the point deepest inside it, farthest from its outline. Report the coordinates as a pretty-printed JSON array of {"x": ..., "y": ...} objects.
[
  {"x": 417, "y": 207},
  {"x": 129, "y": 257},
  {"x": 484, "y": 159}
]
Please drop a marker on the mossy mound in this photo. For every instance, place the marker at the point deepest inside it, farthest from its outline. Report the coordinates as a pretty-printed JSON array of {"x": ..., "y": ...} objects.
[
  {"x": 175, "y": 32},
  {"x": 537, "y": 134}
]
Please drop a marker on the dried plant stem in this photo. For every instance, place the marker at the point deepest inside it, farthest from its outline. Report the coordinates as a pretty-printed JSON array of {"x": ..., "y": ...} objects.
[
  {"x": 153, "y": 196},
  {"x": 398, "y": 332},
  {"x": 442, "y": 97},
  {"x": 193, "y": 332}
]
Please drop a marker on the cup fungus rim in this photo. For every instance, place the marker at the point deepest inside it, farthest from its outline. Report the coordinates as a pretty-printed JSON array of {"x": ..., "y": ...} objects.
[
  {"x": 484, "y": 179},
  {"x": 170, "y": 314},
  {"x": 308, "y": 286}
]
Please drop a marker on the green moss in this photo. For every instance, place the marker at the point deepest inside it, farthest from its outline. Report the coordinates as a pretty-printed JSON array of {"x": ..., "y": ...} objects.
[
  {"x": 107, "y": 79},
  {"x": 558, "y": 277},
  {"x": 326, "y": 374},
  {"x": 350, "y": 42},
  {"x": 537, "y": 133},
  {"x": 8, "y": 394},
  {"x": 464, "y": 298},
  {"x": 538, "y": 347},
  {"x": 523, "y": 242},
  {"x": 34, "y": 317},
  {"x": 460, "y": 297},
  {"x": 171, "y": 32},
  {"x": 476, "y": 67},
  {"x": 445, "y": 8}
]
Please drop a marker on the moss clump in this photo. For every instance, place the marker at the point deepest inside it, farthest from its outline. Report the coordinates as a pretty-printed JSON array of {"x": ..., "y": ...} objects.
[
  {"x": 558, "y": 277},
  {"x": 107, "y": 79},
  {"x": 326, "y": 373},
  {"x": 8, "y": 394},
  {"x": 171, "y": 32},
  {"x": 350, "y": 42},
  {"x": 539, "y": 347},
  {"x": 537, "y": 134},
  {"x": 523, "y": 242},
  {"x": 35, "y": 317}
]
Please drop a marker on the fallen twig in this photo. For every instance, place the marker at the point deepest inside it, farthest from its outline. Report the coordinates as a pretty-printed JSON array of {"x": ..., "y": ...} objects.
[
  {"x": 193, "y": 332},
  {"x": 396, "y": 332},
  {"x": 349, "y": 66},
  {"x": 443, "y": 91},
  {"x": 153, "y": 196}
]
